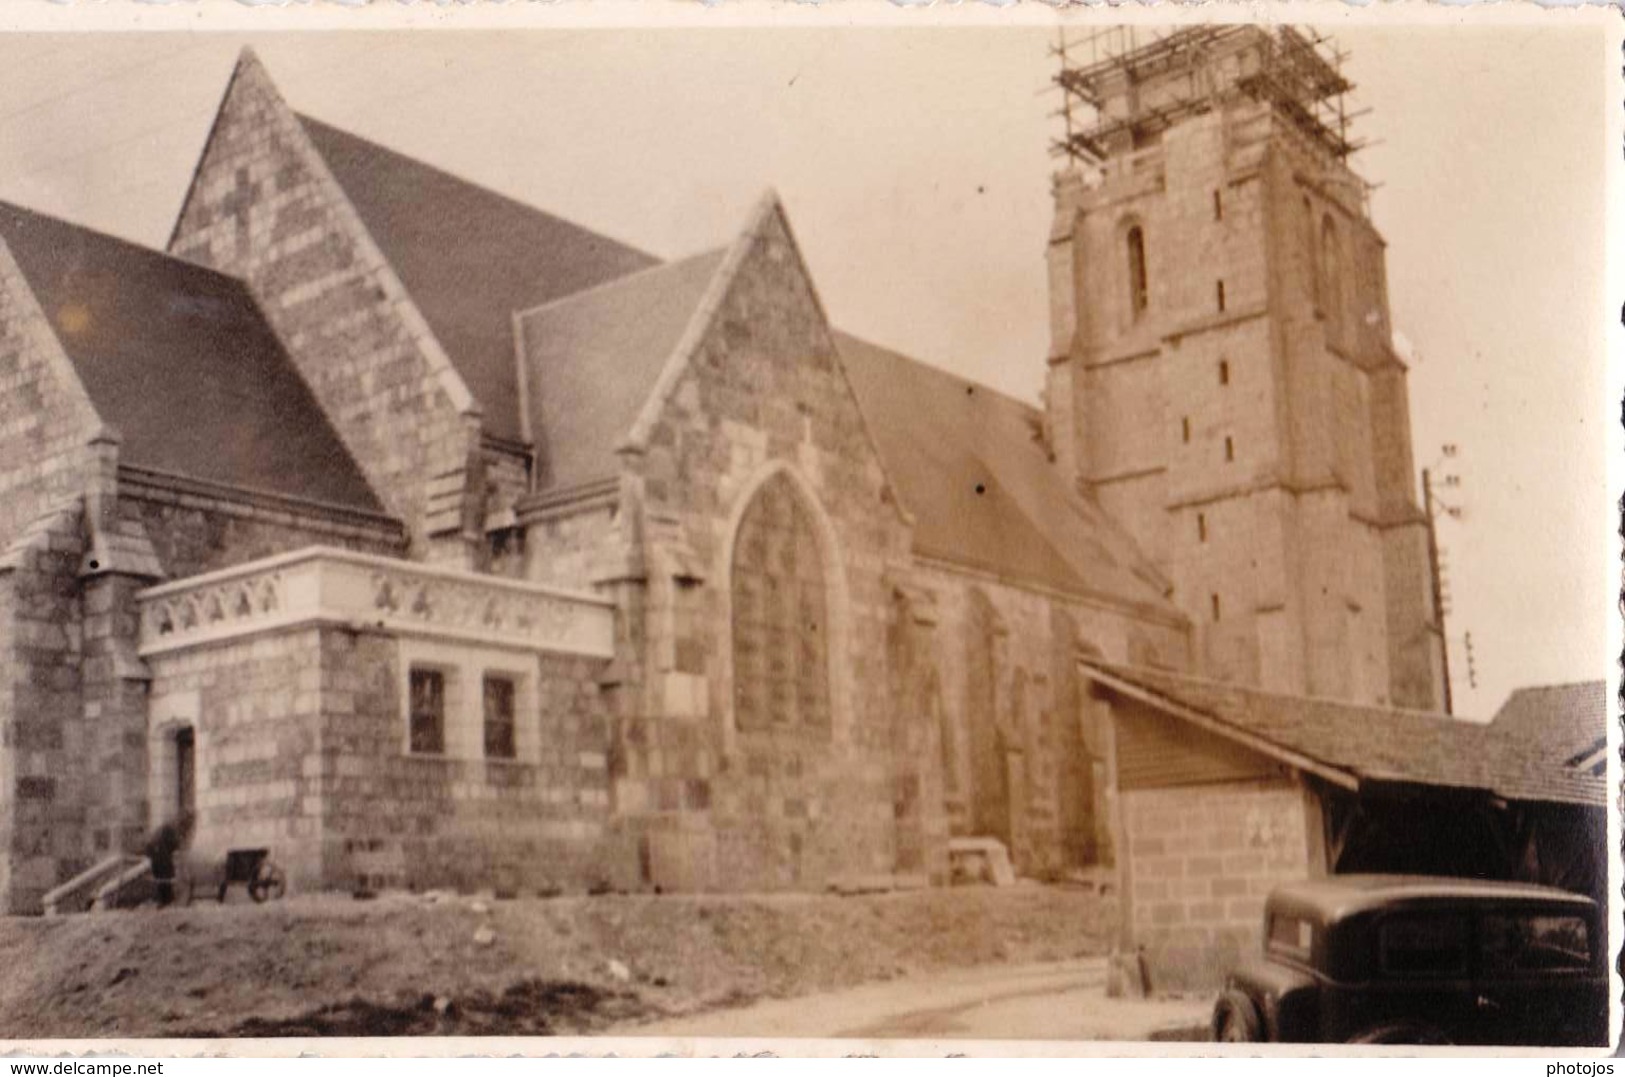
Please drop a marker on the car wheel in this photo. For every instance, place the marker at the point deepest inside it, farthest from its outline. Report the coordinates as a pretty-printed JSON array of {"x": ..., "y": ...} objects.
[
  {"x": 1236, "y": 1020},
  {"x": 1405, "y": 1034}
]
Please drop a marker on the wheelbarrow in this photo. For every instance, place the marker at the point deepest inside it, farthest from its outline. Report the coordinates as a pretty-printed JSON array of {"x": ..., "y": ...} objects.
[{"x": 253, "y": 868}]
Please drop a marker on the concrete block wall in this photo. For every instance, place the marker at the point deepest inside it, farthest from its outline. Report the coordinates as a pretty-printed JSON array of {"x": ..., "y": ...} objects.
[
  {"x": 1201, "y": 861},
  {"x": 264, "y": 207}
]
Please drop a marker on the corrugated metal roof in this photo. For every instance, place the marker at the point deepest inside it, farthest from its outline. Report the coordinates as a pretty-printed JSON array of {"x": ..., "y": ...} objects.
[
  {"x": 470, "y": 258},
  {"x": 593, "y": 360},
  {"x": 1372, "y": 744},
  {"x": 179, "y": 360},
  {"x": 967, "y": 462}
]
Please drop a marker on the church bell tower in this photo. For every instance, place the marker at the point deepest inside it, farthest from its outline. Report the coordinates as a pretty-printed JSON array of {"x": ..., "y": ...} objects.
[{"x": 1221, "y": 377}]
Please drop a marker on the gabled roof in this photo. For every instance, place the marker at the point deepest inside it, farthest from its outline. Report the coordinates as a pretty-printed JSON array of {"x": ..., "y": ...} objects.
[
  {"x": 1562, "y": 724},
  {"x": 1354, "y": 743},
  {"x": 470, "y": 258},
  {"x": 968, "y": 464},
  {"x": 593, "y": 359},
  {"x": 181, "y": 363}
]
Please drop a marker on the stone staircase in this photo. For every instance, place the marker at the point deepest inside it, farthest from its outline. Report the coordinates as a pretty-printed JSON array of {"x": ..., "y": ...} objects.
[{"x": 119, "y": 881}]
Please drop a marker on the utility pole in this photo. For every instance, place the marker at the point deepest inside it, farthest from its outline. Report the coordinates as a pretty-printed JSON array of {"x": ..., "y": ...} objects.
[
  {"x": 1428, "y": 507},
  {"x": 1432, "y": 507}
]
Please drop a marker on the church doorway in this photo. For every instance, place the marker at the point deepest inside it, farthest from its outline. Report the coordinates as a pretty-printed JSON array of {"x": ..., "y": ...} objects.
[{"x": 185, "y": 792}]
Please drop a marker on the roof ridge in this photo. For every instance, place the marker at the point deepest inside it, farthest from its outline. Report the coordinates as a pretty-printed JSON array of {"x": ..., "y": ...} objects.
[
  {"x": 156, "y": 252},
  {"x": 1256, "y": 691},
  {"x": 483, "y": 188},
  {"x": 941, "y": 371},
  {"x": 628, "y": 278}
]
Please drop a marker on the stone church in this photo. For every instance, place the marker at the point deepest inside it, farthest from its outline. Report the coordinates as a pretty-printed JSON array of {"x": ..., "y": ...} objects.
[{"x": 428, "y": 539}]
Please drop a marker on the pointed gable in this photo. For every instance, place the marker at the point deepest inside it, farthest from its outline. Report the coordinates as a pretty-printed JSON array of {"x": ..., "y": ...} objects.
[
  {"x": 179, "y": 360},
  {"x": 469, "y": 257},
  {"x": 264, "y": 207}
]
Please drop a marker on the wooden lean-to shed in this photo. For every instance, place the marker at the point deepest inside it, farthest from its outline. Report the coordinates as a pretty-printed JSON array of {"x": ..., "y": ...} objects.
[{"x": 1221, "y": 793}]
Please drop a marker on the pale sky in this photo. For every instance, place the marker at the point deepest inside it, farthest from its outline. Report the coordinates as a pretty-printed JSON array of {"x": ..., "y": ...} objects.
[{"x": 914, "y": 166}]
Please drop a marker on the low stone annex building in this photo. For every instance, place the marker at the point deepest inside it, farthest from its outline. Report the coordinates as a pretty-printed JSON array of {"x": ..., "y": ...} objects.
[{"x": 424, "y": 537}]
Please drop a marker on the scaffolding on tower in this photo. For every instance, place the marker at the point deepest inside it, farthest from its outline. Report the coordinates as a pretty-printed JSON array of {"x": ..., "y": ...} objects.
[{"x": 1123, "y": 86}]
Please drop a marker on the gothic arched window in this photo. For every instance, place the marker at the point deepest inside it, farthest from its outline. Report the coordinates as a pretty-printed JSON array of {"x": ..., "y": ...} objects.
[
  {"x": 1138, "y": 282},
  {"x": 780, "y": 614}
]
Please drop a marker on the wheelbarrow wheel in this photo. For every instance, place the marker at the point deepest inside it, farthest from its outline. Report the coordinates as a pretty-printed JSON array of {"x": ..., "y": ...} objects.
[{"x": 268, "y": 883}]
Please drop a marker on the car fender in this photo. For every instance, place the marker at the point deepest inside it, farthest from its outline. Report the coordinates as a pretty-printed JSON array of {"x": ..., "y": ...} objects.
[{"x": 1284, "y": 996}]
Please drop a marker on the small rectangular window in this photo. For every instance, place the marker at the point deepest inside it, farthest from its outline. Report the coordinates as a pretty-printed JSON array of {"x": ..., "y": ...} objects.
[
  {"x": 1224, "y": 372},
  {"x": 1215, "y": 601},
  {"x": 1291, "y": 935},
  {"x": 1229, "y": 449},
  {"x": 499, "y": 724},
  {"x": 1201, "y": 527},
  {"x": 1219, "y": 289},
  {"x": 1185, "y": 430},
  {"x": 427, "y": 712},
  {"x": 1218, "y": 206}
]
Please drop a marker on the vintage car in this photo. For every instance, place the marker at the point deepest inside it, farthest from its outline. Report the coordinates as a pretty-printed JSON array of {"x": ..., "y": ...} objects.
[{"x": 1418, "y": 960}]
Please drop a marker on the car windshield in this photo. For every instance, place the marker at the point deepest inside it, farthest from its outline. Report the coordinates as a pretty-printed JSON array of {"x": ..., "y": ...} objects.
[
  {"x": 1516, "y": 943},
  {"x": 1427, "y": 944}
]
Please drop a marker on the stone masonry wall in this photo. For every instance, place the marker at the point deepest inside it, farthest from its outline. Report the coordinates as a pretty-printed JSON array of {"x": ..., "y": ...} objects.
[
  {"x": 255, "y": 707},
  {"x": 46, "y": 418},
  {"x": 1201, "y": 861},
  {"x": 46, "y": 742},
  {"x": 765, "y": 808},
  {"x": 1058, "y": 821},
  {"x": 540, "y": 821},
  {"x": 301, "y": 748},
  {"x": 193, "y": 534},
  {"x": 265, "y": 208},
  {"x": 1246, "y": 425}
]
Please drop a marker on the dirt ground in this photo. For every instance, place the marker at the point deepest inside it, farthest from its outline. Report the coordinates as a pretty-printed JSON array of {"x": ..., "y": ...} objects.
[{"x": 459, "y": 965}]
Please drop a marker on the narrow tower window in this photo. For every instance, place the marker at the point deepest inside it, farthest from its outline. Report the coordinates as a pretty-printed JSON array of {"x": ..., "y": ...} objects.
[
  {"x": 1201, "y": 527},
  {"x": 1311, "y": 261},
  {"x": 1185, "y": 430},
  {"x": 1224, "y": 372},
  {"x": 1229, "y": 449},
  {"x": 1219, "y": 294},
  {"x": 1218, "y": 206},
  {"x": 1215, "y": 600},
  {"x": 1139, "y": 288},
  {"x": 1331, "y": 277}
]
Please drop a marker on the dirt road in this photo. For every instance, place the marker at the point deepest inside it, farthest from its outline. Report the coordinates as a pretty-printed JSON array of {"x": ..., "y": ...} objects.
[{"x": 1051, "y": 1001}]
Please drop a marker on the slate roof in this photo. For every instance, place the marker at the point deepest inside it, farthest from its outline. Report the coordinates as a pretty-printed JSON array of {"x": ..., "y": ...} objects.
[
  {"x": 592, "y": 360},
  {"x": 1373, "y": 745},
  {"x": 180, "y": 362},
  {"x": 967, "y": 463},
  {"x": 1559, "y": 723},
  {"x": 470, "y": 258}
]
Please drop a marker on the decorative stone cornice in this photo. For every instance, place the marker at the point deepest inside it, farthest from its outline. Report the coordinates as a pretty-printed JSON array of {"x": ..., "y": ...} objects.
[{"x": 322, "y": 585}]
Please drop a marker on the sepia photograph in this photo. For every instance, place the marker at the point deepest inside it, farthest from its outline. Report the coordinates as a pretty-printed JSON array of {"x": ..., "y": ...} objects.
[{"x": 1054, "y": 529}]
